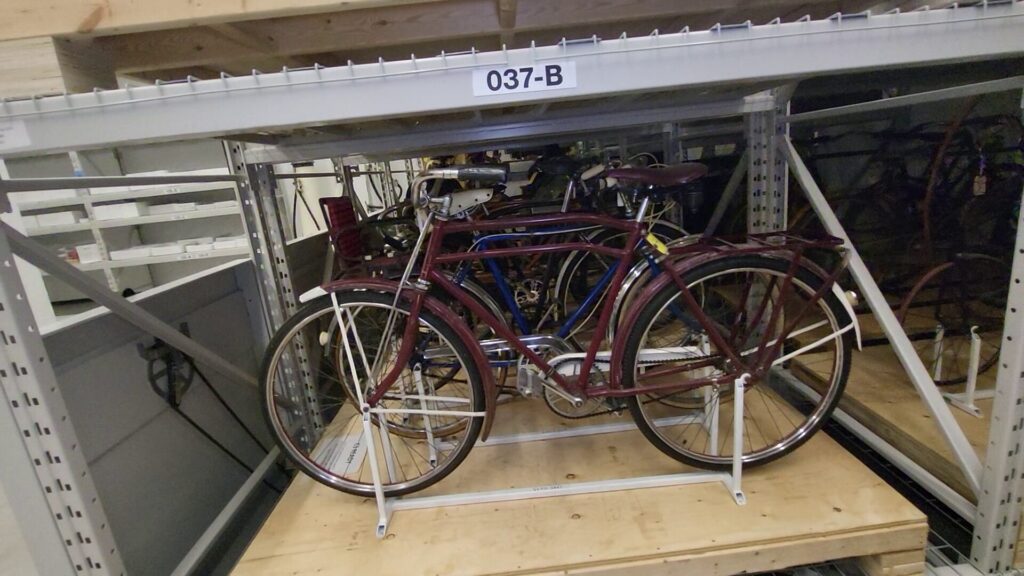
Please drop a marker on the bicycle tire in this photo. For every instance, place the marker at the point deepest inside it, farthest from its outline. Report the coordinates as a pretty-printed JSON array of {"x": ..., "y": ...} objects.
[
  {"x": 313, "y": 316},
  {"x": 829, "y": 392}
]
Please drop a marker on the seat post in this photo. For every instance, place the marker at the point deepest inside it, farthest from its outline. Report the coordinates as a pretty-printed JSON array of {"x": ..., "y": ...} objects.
[{"x": 641, "y": 212}]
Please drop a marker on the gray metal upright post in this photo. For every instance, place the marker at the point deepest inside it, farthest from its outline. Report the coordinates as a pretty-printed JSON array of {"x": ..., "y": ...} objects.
[
  {"x": 60, "y": 513},
  {"x": 264, "y": 229},
  {"x": 348, "y": 187},
  {"x": 767, "y": 176},
  {"x": 257, "y": 191},
  {"x": 997, "y": 523}
]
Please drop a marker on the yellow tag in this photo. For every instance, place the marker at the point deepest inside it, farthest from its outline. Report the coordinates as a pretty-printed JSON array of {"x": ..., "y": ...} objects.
[
  {"x": 533, "y": 177},
  {"x": 658, "y": 244}
]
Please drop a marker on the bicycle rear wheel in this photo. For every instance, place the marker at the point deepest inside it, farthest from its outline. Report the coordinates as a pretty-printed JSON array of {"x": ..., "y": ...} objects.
[
  {"x": 309, "y": 379},
  {"x": 783, "y": 408}
]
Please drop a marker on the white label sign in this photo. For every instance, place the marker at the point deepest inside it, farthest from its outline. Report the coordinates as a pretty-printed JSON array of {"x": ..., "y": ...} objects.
[
  {"x": 13, "y": 134},
  {"x": 515, "y": 79},
  {"x": 341, "y": 455}
]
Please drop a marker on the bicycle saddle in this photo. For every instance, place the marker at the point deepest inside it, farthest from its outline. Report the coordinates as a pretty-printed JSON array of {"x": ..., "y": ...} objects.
[
  {"x": 669, "y": 176},
  {"x": 557, "y": 166}
]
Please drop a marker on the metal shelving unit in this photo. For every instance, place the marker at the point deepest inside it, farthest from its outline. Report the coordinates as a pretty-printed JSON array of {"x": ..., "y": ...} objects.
[
  {"x": 687, "y": 75},
  {"x": 89, "y": 199}
]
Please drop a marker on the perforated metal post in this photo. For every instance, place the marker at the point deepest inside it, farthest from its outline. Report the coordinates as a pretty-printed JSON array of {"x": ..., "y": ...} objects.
[
  {"x": 74, "y": 536},
  {"x": 257, "y": 194},
  {"x": 767, "y": 176},
  {"x": 264, "y": 230},
  {"x": 997, "y": 523},
  {"x": 348, "y": 187}
]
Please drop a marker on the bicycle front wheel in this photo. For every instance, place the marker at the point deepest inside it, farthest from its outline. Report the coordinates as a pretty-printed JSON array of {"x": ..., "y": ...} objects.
[
  {"x": 326, "y": 357},
  {"x": 743, "y": 297}
]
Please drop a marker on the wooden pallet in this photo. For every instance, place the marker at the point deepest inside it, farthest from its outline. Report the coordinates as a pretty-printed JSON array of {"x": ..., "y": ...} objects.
[
  {"x": 880, "y": 396},
  {"x": 816, "y": 504}
]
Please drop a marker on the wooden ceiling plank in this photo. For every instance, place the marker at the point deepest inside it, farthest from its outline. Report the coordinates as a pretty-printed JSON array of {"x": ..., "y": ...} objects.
[
  {"x": 250, "y": 41},
  {"x": 33, "y": 66},
  {"x": 507, "y": 10},
  {"x": 28, "y": 18},
  {"x": 405, "y": 25}
]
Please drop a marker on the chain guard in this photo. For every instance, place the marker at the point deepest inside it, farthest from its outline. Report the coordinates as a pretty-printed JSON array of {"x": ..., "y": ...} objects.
[{"x": 568, "y": 365}]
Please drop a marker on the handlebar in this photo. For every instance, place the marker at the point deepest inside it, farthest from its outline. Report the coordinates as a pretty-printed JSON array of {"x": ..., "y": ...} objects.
[{"x": 484, "y": 173}]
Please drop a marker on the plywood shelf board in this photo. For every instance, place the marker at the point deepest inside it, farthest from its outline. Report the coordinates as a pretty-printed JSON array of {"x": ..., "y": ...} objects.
[
  {"x": 880, "y": 396},
  {"x": 817, "y": 504}
]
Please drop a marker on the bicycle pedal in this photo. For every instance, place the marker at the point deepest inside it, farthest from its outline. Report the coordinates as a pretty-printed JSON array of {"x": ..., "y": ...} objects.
[
  {"x": 529, "y": 383},
  {"x": 616, "y": 405}
]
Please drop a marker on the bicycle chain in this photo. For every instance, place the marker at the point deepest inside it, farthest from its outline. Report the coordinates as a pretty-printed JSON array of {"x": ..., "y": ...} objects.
[{"x": 618, "y": 410}]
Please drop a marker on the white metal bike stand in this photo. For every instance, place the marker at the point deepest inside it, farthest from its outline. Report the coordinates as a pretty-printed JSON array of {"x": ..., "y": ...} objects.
[
  {"x": 965, "y": 400},
  {"x": 387, "y": 506}
]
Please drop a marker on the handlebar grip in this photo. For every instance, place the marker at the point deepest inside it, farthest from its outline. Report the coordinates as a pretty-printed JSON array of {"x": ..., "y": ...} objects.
[{"x": 492, "y": 173}]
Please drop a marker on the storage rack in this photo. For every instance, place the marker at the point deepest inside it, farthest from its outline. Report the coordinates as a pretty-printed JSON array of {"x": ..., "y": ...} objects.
[
  {"x": 765, "y": 55},
  {"x": 89, "y": 200}
]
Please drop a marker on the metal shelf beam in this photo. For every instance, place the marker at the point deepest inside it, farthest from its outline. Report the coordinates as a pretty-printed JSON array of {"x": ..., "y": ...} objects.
[{"x": 718, "y": 57}]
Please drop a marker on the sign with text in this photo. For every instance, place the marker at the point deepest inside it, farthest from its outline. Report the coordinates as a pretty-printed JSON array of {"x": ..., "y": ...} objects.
[{"x": 515, "y": 79}]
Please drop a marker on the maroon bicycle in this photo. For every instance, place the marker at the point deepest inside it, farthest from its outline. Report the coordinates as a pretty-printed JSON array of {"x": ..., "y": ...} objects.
[{"x": 397, "y": 355}]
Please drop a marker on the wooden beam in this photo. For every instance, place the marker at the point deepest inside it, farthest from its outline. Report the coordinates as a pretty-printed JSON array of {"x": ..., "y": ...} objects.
[
  {"x": 262, "y": 46},
  {"x": 447, "y": 21},
  {"x": 29, "y": 18},
  {"x": 35, "y": 66},
  {"x": 507, "y": 20}
]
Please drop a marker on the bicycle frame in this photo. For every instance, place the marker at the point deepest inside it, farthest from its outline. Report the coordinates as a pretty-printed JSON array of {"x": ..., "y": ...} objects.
[
  {"x": 501, "y": 282},
  {"x": 430, "y": 273}
]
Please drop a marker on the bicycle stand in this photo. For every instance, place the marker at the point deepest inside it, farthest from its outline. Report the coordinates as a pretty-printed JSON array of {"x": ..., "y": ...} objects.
[
  {"x": 965, "y": 400},
  {"x": 387, "y": 506}
]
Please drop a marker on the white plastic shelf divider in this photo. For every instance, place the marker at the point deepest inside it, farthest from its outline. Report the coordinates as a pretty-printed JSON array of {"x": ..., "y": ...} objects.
[
  {"x": 185, "y": 256},
  {"x": 121, "y": 222},
  {"x": 127, "y": 195},
  {"x": 58, "y": 229}
]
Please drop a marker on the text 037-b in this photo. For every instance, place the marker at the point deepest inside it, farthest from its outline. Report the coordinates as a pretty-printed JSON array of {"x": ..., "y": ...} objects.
[{"x": 509, "y": 79}]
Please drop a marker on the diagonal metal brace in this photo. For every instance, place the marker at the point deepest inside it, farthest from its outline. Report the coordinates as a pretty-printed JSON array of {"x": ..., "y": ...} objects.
[
  {"x": 39, "y": 256},
  {"x": 33, "y": 184},
  {"x": 966, "y": 457}
]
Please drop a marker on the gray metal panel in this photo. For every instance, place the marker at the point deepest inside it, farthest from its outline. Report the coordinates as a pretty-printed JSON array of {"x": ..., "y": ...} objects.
[{"x": 261, "y": 102}]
